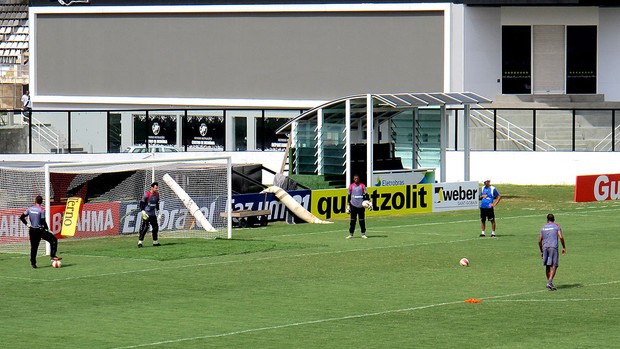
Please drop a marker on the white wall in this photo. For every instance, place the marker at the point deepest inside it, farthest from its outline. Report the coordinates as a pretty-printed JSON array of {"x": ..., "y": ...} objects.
[
  {"x": 482, "y": 51},
  {"x": 531, "y": 167},
  {"x": 608, "y": 53},
  {"x": 501, "y": 167}
]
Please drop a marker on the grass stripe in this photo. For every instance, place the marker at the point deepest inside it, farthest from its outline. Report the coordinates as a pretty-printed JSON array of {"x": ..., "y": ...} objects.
[{"x": 357, "y": 316}]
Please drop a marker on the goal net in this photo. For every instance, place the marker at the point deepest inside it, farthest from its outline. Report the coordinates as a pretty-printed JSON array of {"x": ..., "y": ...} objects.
[{"x": 110, "y": 193}]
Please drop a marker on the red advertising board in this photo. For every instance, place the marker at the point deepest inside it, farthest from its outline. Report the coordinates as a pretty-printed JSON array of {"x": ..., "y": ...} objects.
[
  {"x": 98, "y": 219},
  {"x": 597, "y": 187},
  {"x": 11, "y": 228}
]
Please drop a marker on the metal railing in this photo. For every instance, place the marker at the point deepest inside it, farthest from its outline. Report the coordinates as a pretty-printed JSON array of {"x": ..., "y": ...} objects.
[
  {"x": 606, "y": 143},
  {"x": 46, "y": 137},
  {"x": 510, "y": 131}
]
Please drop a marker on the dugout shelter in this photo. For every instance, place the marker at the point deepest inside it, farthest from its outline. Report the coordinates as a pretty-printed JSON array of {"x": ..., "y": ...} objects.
[{"x": 377, "y": 134}]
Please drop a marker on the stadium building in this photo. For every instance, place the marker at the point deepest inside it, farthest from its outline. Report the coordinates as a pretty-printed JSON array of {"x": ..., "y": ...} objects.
[{"x": 247, "y": 68}]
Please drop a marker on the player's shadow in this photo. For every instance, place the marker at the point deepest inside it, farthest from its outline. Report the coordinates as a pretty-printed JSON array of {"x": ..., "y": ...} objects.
[
  {"x": 376, "y": 236},
  {"x": 567, "y": 286}
]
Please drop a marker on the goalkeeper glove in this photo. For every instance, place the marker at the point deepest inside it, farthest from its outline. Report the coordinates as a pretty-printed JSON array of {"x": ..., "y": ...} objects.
[
  {"x": 347, "y": 210},
  {"x": 28, "y": 225},
  {"x": 144, "y": 215}
]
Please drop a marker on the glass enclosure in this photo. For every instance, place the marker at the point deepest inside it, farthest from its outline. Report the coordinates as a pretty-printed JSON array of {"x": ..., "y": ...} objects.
[{"x": 543, "y": 129}]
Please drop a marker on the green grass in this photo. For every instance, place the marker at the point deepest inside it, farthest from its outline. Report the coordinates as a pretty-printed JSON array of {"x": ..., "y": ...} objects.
[{"x": 306, "y": 286}]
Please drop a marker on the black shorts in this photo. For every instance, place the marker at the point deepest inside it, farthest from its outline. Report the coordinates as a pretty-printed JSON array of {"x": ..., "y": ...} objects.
[{"x": 487, "y": 213}]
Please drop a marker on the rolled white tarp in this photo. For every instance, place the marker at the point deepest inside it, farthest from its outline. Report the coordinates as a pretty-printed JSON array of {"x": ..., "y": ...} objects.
[
  {"x": 194, "y": 210},
  {"x": 293, "y": 205}
]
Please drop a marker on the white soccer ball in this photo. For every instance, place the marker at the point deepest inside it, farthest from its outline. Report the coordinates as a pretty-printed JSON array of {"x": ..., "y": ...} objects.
[
  {"x": 56, "y": 263},
  {"x": 367, "y": 204},
  {"x": 464, "y": 262}
]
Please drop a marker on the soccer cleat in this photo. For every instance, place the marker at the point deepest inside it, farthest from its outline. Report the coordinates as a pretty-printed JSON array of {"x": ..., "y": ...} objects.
[
  {"x": 139, "y": 245},
  {"x": 156, "y": 244},
  {"x": 34, "y": 266},
  {"x": 482, "y": 235},
  {"x": 364, "y": 236},
  {"x": 492, "y": 235},
  {"x": 349, "y": 236},
  {"x": 551, "y": 287},
  {"x": 55, "y": 258}
]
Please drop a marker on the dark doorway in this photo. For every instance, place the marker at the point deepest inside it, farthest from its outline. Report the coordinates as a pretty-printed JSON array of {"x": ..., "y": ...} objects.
[
  {"x": 516, "y": 60},
  {"x": 581, "y": 50}
]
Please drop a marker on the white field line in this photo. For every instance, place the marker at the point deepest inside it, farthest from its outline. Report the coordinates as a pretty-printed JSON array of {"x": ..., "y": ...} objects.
[{"x": 357, "y": 316}]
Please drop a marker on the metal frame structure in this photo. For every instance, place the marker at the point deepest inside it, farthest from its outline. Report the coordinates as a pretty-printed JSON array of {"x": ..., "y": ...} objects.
[{"x": 387, "y": 105}]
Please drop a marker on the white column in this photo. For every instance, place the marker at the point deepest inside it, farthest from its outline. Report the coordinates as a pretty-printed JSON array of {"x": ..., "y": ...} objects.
[
  {"x": 369, "y": 138},
  {"x": 319, "y": 141},
  {"x": 230, "y": 131},
  {"x": 347, "y": 139},
  {"x": 466, "y": 142},
  {"x": 292, "y": 167},
  {"x": 48, "y": 220},
  {"x": 251, "y": 132},
  {"x": 180, "y": 129},
  {"x": 443, "y": 140},
  {"x": 414, "y": 136}
]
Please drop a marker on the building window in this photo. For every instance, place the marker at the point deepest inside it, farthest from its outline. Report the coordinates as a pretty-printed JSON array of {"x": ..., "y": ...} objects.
[
  {"x": 581, "y": 50},
  {"x": 516, "y": 60}
]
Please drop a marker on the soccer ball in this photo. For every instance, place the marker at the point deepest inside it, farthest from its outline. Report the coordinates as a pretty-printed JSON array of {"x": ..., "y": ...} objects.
[
  {"x": 367, "y": 204},
  {"x": 56, "y": 263},
  {"x": 464, "y": 262}
]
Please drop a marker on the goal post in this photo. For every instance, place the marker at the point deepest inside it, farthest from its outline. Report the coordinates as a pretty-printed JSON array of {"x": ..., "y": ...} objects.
[{"x": 111, "y": 191}]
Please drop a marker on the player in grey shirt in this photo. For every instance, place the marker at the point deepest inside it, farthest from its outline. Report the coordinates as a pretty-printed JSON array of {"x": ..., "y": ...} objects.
[
  {"x": 548, "y": 238},
  {"x": 356, "y": 195}
]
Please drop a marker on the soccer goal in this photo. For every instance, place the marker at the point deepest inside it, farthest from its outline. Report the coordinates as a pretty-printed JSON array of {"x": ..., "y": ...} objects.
[{"x": 194, "y": 192}]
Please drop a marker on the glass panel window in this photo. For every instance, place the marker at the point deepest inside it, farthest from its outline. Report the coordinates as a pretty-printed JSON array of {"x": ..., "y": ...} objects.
[
  {"x": 50, "y": 132},
  {"x": 480, "y": 129},
  {"x": 554, "y": 130},
  {"x": 90, "y": 132},
  {"x": 205, "y": 130},
  {"x": 266, "y": 137},
  {"x": 402, "y": 136},
  {"x": 428, "y": 128},
  {"x": 514, "y": 129},
  {"x": 593, "y": 130},
  {"x": 160, "y": 128}
]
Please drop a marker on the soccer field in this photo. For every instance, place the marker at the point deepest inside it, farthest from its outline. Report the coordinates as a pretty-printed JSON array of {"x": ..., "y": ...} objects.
[{"x": 306, "y": 286}]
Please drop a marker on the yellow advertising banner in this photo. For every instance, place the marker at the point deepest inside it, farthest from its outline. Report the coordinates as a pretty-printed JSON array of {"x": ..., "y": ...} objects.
[
  {"x": 389, "y": 200},
  {"x": 70, "y": 218}
]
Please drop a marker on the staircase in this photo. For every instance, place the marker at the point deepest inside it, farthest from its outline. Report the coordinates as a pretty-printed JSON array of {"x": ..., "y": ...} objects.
[{"x": 49, "y": 140}]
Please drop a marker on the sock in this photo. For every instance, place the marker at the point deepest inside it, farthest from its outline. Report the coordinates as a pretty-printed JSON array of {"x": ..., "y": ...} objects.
[
  {"x": 483, "y": 232},
  {"x": 550, "y": 282},
  {"x": 493, "y": 232},
  {"x": 139, "y": 242}
]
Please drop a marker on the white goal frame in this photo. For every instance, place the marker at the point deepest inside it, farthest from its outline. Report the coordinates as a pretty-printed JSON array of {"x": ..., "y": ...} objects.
[{"x": 49, "y": 168}]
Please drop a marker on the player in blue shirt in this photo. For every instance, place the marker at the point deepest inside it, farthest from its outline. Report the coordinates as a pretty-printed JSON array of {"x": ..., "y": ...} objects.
[
  {"x": 489, "y": 198},
  {"x": 548, "y": 238},
  {"x": 38, "y": 230}
]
